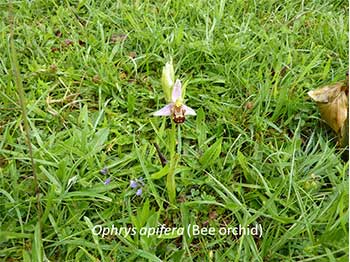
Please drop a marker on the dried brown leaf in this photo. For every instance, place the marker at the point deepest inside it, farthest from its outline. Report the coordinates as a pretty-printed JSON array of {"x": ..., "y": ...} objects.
[{"x": 332, "y": 101}]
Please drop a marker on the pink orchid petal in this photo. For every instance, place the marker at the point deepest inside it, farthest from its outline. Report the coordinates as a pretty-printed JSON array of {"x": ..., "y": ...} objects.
[
  {"x": 165, "y": 111},
  {"x": 177, "y": 91},
  {"x": 188, "y": 111}
]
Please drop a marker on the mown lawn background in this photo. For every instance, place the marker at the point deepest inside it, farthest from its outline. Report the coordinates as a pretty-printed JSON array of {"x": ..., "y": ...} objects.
[{"x": 91, "y": 73}]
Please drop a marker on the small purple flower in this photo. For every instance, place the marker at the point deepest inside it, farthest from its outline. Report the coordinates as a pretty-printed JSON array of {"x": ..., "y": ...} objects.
[
  {"x": 177, "y": 109},
  {"x": 137, "y": 184},
  {"x": 108, "y": 180},
  {"x": 139, "y": 191},
  {"x": 133, "y": 184},
  {"x": 104, "y": 171}
]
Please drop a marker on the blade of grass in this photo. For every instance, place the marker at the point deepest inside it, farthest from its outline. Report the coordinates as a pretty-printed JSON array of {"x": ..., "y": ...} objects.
[{"x": 20, "y": 90}]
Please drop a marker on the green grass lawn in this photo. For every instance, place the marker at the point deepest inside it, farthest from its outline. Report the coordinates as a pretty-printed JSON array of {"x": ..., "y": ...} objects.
[{"x": 257, "y": 153}]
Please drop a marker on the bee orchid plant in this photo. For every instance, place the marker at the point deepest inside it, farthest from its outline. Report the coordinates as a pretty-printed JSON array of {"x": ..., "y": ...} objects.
[{"x": 178, "y": 111}]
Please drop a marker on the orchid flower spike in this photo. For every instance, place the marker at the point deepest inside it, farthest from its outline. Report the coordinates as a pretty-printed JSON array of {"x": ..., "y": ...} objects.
[{"x": 177, "y": 109}]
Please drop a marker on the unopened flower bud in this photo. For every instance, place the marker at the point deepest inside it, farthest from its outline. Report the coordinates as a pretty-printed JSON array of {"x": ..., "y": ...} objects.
[{"x": 168, "y": 79}]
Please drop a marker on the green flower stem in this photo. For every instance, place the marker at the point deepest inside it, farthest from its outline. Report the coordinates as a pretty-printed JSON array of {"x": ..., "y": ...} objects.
[
  {"x": 171, "y": 185},
  {"x": 179, "y": 141},
  {"x": 172, "y": 140},
  {"x": 174, "y": 158}
]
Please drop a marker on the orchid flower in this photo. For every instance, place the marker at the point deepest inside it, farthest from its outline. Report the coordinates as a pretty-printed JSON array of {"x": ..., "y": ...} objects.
[{"x": 177, "y": 109}]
